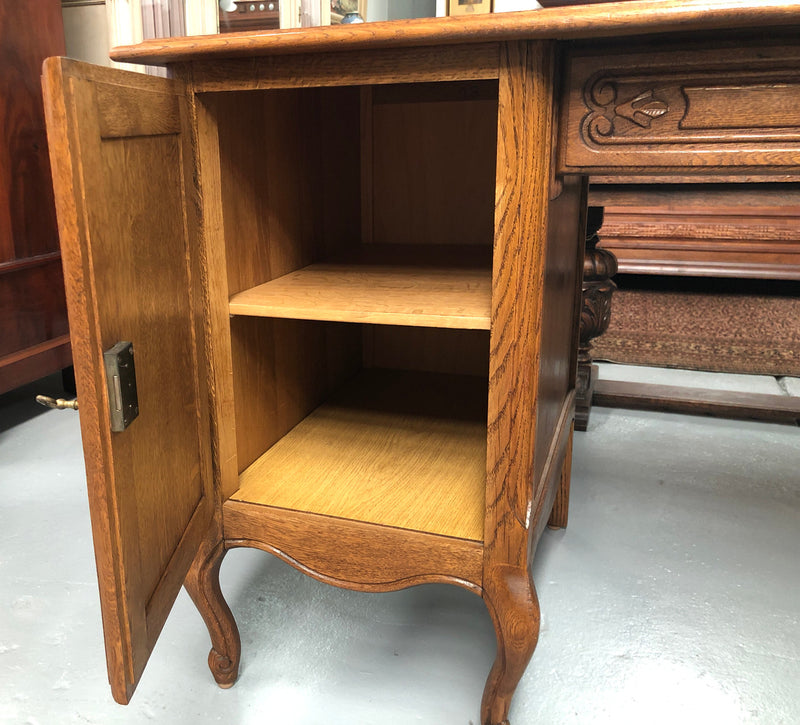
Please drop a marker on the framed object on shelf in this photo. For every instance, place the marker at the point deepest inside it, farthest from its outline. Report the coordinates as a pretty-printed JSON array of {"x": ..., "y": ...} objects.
[{"x": 468, "y": 7}]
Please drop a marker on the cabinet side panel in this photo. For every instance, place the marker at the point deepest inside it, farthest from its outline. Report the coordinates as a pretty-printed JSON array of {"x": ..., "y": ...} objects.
[
  {"x": 523, "y": 192},
  {"x": 289, "y": 196},
  {"x": 562, "y": 278},
  {"x": 283, "y": 369}
]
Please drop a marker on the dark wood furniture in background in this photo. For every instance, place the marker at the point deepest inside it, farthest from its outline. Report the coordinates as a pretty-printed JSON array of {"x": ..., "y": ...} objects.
[
  {"x": 249, "y": 15},
  {"x": 731, "y": 229},
  {"x": 34, "y": 334},
  {"x": 728, "y": 227},
  {"x": 375, "y": 427}
]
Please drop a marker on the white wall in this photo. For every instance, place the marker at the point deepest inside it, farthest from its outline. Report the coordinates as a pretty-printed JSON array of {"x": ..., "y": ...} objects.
[
  {"x": 86, "y": 32},
  {"x": 500, "y": 6},
  {"x": 398, "y": 9},
  {"x": 505, "y": 6}
]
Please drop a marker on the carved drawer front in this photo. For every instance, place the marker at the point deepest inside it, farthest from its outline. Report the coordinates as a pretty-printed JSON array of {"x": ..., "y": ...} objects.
[{"x": 723, "y": 107}]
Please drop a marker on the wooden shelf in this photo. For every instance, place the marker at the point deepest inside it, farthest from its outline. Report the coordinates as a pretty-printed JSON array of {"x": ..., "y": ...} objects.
[
  {"x": 401, "y": 449},
  {"x": 378, "y": 294}
]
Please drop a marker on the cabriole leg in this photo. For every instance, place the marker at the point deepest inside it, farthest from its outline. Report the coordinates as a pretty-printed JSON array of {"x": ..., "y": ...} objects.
[
  {"x": 514, "y": 607},
  {"x": 202, "y": 584}
]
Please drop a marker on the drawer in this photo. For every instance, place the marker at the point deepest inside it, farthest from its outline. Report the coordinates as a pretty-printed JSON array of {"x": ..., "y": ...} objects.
[{"x": 706, "y": 109}]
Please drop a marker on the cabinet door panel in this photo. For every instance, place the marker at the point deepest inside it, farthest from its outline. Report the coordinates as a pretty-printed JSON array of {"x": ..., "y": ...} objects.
[{"x": 123, "y": 174}]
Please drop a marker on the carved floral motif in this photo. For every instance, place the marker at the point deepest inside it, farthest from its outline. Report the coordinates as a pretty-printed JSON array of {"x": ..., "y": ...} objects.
[{"x": 602, "y": 97}]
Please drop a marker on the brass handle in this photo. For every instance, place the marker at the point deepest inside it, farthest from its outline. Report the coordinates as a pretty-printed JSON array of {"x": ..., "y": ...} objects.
[{"x": 58, "y": 403}]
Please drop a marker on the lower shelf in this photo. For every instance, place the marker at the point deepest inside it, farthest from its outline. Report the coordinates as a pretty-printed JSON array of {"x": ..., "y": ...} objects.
[{"x": 401, "y": 449}]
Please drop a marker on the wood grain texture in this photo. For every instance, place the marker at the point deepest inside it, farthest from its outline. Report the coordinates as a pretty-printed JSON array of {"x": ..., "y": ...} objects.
[
  {"x": 332, "y": 550},
  {"x": 283, "y": 369},
  {"x": 202, "y": 585},
  {"x": 33, "y": 309},
  {"x": 521, "y": 219},
  {"x": 398, "y": 449},
  {"x": 452, "y": 298},
  {"x": 436, "y": 350},
  {"x": 213, "y": 277},
  {"x": 433, "y": 150},
  {"x": 731, "y": 230},
  {"x": 377, "y": 67},
  {"x": 715, "y": 403},
  {"x": 279, "y": 208},
  {"x": 33, "y": 314},
  {"x": 711, "y": 106},
  {"x": 29, "y": 33},
  {"x": 523, "y": 193},
  {"x": 514, "y": 607},
  {"x": 149, "y": 512},
  {"x": 588, "y": 21},
  {"x": 563, "y": 262},
  {"x": 34, "y": 362},
  {"x": 559, "y": 516}
]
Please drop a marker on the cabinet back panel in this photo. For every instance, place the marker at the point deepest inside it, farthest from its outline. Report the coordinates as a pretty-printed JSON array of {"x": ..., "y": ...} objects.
[
  {"x": 432, "y": 153},
  {"x": 460, "y": 352}
]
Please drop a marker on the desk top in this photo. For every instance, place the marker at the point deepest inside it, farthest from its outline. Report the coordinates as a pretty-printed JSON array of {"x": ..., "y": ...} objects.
[{"x": 607, "y": 20}]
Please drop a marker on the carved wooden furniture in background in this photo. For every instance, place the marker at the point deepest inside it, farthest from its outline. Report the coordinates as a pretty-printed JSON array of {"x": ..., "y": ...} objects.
[
  {"x": 372, "y": 439},
  {"x": 723, "y": 229},
  {"x": 733, "y": 229},
  {"x": 34, "y": 336},
  {"x": 652, "y": 106},
  {"x": 599, "y": 266}
]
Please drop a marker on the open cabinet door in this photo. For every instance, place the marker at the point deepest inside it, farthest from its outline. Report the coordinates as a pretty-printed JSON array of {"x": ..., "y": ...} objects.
[{"x": 121, "y": 152}]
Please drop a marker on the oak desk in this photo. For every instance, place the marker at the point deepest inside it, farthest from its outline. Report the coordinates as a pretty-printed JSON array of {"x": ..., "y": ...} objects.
[{"x": 324, "y": 287}]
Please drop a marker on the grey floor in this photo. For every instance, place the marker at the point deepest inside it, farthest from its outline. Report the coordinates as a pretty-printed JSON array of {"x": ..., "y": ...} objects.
[{"x": 673, "y": 596}]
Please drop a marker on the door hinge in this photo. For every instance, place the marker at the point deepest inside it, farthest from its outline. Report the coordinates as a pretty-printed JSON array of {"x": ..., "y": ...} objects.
[{"x": 123, "y": 402}]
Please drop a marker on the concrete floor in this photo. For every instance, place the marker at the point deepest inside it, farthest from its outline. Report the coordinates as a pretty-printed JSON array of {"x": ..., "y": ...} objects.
[{"x": 674, "y": 596}]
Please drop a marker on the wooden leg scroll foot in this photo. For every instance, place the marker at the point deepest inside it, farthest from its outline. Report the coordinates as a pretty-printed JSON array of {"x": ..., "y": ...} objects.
[
  {"x": 512, "y": 602},
  {"x": 202, "y": 584}
]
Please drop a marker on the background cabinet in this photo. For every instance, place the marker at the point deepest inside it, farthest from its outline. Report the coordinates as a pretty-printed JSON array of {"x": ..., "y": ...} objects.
[{"x": 34, "y": 335}]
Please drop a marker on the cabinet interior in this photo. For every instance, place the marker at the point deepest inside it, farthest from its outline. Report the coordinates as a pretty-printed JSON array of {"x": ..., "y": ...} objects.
[{"x": 358, "y": 225}]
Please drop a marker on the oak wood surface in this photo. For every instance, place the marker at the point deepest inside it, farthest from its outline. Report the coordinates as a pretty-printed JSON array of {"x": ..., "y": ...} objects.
[
  {"x": 705, "y": 105},
  {"x": 212, "y": 275},
  {"x": 432, "y": 349},
  {"x": 149, "y": 511},
  {"x": 524, "y": 188},
  {"x": 560, "y": 316},
  {"x": 202, "y": 585},
  {"x": 275, "y": 211},
  {"x": 399, "y": 449},
  {"x": 559, "y": 516},
  {"x": 33, "y": 312},
  {"x": 287, "y": 174},
  {"x": 432, "y": 154},
  {"x": 474, "y": 61},
  {"x": 457, "y": 298},
  {"x": 588, "y": 21},
  {"x": 332, "y": 549}
]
